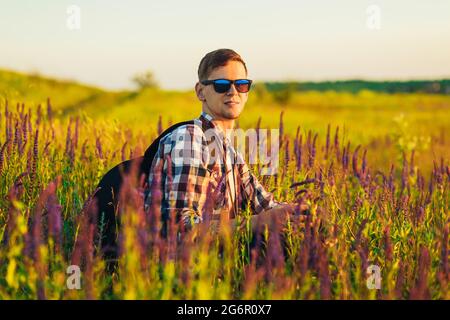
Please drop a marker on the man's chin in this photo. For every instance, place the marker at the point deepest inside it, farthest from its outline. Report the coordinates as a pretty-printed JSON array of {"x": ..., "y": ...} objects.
[{"x": 232, "y": 114}]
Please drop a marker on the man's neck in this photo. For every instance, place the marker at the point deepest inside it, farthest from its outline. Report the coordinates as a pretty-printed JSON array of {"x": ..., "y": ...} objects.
[{"x": 222, "y": 124}]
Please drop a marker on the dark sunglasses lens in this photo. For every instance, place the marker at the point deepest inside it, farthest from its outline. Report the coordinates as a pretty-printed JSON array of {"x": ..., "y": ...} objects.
[
  {"x": 242, "y": 85},
  {"x": 222, "y": 86}
]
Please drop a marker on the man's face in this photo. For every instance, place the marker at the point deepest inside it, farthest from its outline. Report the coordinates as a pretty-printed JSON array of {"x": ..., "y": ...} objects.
[{"x": 228, "y": 105}]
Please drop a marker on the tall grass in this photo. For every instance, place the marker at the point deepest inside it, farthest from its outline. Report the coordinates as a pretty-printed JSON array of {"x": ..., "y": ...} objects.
[{"x": 361, "y": 215}]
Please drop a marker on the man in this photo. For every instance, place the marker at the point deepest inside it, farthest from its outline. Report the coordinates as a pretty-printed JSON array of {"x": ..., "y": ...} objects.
[{"x": 190, "y": 171}]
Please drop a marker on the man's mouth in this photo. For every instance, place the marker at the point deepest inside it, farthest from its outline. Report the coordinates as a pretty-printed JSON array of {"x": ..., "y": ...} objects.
[{"x": 231, "y": 103}]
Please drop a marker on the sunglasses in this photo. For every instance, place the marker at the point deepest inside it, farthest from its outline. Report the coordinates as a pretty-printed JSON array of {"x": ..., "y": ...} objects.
[{"x": 223, "y": 85}]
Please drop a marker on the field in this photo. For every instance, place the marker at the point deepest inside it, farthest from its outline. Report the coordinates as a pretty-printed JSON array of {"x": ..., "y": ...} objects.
[{"x": 374, "y": 166}]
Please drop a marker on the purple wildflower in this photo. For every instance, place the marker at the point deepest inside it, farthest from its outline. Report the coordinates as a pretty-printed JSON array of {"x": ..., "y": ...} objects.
[
  {"x": 299, "y": 154},
  {"x": 356, "y": 171},
  {"x": 2, "y": 155},
  {"x": 420, "y": 289},
  {"x": 336, "y": 143},
  {"x": 99, "y": 150},
  {"x": 160, "y": 126},
  {"x": 387, "y": 245},
  {"x": 281, "y": 128},
  {"x": 49, "y": 110},
  {"x": 75, "y": 142}
]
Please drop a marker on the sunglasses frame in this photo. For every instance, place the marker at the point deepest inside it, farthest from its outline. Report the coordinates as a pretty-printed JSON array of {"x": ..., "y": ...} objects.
[{"x": 232, "y": 82}]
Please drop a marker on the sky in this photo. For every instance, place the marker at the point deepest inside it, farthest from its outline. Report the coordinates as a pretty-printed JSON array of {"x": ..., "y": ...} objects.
[{"x": 105, "y": 43}]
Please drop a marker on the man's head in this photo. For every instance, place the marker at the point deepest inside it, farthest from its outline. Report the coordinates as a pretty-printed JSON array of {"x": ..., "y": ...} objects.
[{"x": 221, "y": 64}]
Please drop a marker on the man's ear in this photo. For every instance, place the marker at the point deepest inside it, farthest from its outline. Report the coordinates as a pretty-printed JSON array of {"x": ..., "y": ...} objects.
[{"x": 199, "y": 91}]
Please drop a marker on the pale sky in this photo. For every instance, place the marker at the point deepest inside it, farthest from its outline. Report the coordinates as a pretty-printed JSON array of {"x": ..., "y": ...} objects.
[{"x": 280, "y": 40}]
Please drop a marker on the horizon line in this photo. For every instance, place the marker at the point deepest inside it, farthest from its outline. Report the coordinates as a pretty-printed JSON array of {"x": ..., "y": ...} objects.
[{"x": 38, "y": 73}]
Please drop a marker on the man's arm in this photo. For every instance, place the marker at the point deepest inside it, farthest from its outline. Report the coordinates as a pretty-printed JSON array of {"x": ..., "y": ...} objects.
[
  {"x": 185, "y": 177},
  {"x": 254, "y": 191}
]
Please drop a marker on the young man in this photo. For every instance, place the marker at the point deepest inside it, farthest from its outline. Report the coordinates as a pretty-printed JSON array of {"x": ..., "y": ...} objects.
[{"x": 188, "y": 169}]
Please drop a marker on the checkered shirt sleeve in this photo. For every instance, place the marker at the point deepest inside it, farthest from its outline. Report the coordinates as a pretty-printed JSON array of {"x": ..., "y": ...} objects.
[
  {"x": 185, "y": 189},
  {"x": 254, "y": 192}
]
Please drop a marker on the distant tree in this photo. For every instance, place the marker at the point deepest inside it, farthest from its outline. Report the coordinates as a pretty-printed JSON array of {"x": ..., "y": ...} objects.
[
  {"x": 283, "y": 96},
  {"x": 260, "y": 91},
  {"x": 145, "y": 80}
]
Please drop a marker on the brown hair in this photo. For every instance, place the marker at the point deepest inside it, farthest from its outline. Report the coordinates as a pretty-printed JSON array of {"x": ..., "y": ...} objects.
[{"x": 217, "y": 58}]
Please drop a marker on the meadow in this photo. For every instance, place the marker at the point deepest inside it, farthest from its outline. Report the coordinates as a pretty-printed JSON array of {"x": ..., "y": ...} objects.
[{"x": 374, "y": 168}]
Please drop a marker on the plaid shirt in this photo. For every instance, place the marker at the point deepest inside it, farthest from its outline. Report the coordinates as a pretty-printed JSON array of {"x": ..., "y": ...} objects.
[{"x": 188, "y": 164}]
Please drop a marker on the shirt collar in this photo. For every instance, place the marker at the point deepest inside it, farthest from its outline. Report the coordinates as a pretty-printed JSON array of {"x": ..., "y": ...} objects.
[
  {"x": 207, "y": 116},
  {"x": 207, "y": 120}
]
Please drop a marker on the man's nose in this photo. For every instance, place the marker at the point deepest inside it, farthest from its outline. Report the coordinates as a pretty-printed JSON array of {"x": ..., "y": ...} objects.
[{"x": 232, "y": 90}]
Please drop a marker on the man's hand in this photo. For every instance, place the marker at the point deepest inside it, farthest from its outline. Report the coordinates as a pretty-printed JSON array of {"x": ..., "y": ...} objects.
[
  {"x": 277, "y": 214},
  {"x": 292, "y": 208}
]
